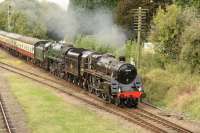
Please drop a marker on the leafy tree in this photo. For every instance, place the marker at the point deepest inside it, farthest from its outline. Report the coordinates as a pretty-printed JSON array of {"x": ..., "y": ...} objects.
[
  {"x": 93, "y": 4},
  {"x": 125, "y": 18},
  {"x": 23, "y": 18},
  {"x": 167, "y": 31},
  {"x": 190, "y": 53},
  {"x": 131, "y": 51},
  {"x": 185, "y": 3},
  {"x": 92, "y": 43},
  {"x": 22, "y": 25},
  {"x": 3, "y": 20}
]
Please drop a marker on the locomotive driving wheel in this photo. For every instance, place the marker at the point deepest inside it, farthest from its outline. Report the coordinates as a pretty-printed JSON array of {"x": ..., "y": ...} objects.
[
  {"x": 85, "y": 84},
  {"x": 104, "y": 96},
  {"x": 117, "y": 101},
  {"x": 107, "y": 97},
  {"x": 90, "y": 89},
  {"x": 98, "y": 93}
]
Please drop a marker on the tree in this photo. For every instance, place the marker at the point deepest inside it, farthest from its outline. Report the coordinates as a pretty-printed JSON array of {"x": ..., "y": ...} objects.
[
  {"x": 125, "y": 18},
  {"x": 190, "y": 54},
  {"x": 23, "y": 18},
  {"x": 21, "y": 24},
  {"x": 93, "y": 4},
  {"x": 185, "y": 3},
  {"x": 167, "y": 31},
  {"x": 3, "y": 20}
]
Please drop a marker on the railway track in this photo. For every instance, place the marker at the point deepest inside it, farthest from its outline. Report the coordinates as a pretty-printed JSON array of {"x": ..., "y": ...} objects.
[
  {"x": 4, "y": 120},
  {"x": 169, "y": 126},
  {"x": 139, "y": 116}
]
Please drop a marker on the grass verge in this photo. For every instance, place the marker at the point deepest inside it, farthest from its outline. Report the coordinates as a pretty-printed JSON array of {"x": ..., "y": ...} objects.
[
  {"x": 5, "y": 58},
  {"x": 174, "y": 89},
  {"x": 48, "y": 113}
]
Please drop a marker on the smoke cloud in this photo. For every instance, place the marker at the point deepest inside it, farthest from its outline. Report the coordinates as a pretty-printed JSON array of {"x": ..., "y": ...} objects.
[
  {"x": 1, "y": 1},
  {"x": 72, "y": 22},
  {"x": 62, "y": 23}
]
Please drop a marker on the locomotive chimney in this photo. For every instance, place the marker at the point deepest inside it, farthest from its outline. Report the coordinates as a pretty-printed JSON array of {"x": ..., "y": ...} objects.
[{"x": 122, "y": 58}]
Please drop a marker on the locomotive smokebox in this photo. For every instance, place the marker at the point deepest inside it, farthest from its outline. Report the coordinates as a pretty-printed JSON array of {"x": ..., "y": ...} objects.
[{"x": 122, "y": 58}]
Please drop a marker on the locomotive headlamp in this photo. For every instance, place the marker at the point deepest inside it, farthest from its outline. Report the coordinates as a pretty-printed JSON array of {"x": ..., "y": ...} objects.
[
  {"x": 120, "y": 90},
  {"x": 140, "y": 89}
]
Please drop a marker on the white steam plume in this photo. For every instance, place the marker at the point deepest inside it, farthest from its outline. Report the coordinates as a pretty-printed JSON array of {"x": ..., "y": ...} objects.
[
  {"x": 1, "y": 1},
  {"x": 72, "y": 22}
]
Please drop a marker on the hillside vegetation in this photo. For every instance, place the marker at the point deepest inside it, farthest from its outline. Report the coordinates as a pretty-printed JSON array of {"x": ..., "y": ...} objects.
[{"x": 172, "y": 74}]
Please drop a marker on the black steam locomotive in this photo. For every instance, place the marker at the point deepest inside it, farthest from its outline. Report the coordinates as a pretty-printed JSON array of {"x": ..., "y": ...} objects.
[{"x": 102, "y": 74}]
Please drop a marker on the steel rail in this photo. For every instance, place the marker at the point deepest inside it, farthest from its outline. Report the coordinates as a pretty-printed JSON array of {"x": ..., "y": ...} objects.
[
  {"x": 162, "y": 121},
  {"x": 5, "y": 118}
]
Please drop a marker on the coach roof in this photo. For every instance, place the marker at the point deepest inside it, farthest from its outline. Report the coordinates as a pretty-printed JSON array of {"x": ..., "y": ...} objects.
[{"x": 25, "y": 39}]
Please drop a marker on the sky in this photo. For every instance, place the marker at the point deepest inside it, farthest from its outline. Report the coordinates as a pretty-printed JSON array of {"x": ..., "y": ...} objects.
[{"x": 62, "y": 3}]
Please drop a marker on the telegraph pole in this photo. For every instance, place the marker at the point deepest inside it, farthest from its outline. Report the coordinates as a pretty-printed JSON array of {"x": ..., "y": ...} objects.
[
  {"x": 139, "y": 36},
  {"x": 140, "y": 25}
]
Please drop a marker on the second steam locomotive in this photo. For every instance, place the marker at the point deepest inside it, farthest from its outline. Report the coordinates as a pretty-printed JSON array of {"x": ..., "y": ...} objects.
[{"x": 102, "y": 74}]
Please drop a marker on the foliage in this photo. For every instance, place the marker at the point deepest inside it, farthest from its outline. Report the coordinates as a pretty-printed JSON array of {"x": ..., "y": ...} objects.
[
  {"x": 22, "y": 20},
  {"x": 94, "y": 3},
  {"x": 190, "y": 53},
  {"x": 91, "y": 43},
  {"x": 185, "y": 3},
  {"x": 22, "y": 25},
  {"x": 167, "y": 88},
  {"x": 124, "y": 16},
  {"x": 131, "y": 51},
  {"x": 3, "y": 20},
  {"x": 167, "y": 32},
  {"x": 176, "y": 36}
]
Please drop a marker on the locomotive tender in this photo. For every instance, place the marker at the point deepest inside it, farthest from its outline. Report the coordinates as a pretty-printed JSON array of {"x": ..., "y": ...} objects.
[{"x": 102, "y": 74}]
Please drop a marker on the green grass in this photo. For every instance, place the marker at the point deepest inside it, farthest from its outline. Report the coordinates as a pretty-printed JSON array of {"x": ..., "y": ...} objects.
[
  {"x": 4, "y": 57},
  {"x": 48, "y": 113}
]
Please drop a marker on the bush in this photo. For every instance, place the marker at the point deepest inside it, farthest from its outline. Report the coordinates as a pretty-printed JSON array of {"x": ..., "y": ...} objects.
[
  {"x": 156, "y": 88},
  {"x": 167, "y": 31},
  {"x": 89, "y": 42},
  {"x": 172, "y": 88},
  {"x": 131, "y": 51},
  {"x": 190, "y": 53},
  {"x": 185, "y": 3}
]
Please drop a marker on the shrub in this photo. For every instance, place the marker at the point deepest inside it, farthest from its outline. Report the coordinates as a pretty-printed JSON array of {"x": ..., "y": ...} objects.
[
  {"x": 166, "y": 32},
  {"x": 131, "y": 51},
  {"x": 190, "y": 53},
  {"x": 89, "y": 42}
]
